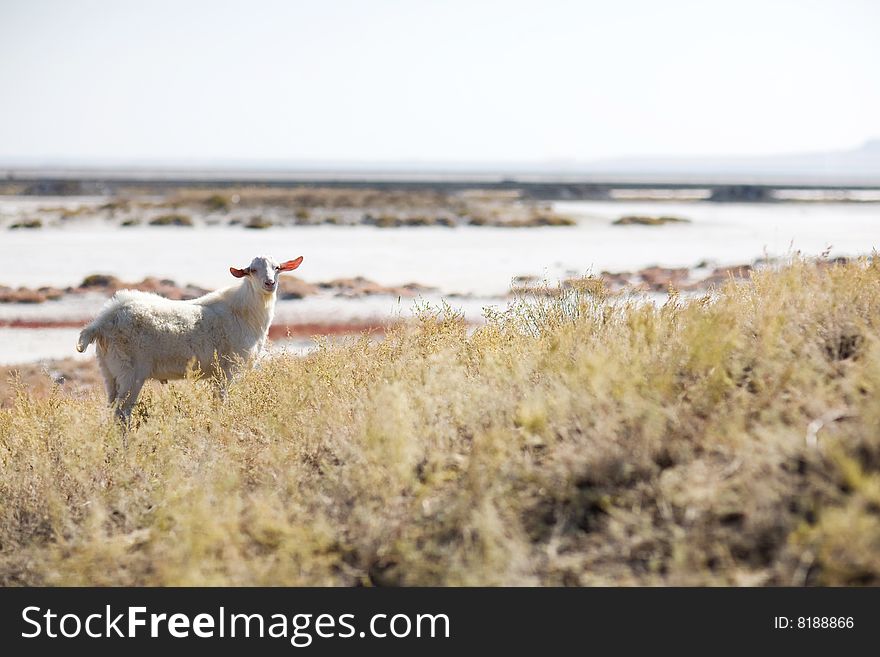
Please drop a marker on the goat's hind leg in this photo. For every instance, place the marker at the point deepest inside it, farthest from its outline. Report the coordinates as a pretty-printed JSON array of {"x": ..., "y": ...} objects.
[
  {"x": 128, "y": 387},
  {"x": 109, "y": 379}
]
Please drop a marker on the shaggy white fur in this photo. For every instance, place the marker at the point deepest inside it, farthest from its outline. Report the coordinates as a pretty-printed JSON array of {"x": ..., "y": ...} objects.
[{"x": 142, "y": 336}]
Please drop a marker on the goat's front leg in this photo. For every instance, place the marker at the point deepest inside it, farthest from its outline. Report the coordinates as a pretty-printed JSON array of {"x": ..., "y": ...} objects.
[
  {"x": 223, "y": 379},
  {"x": 260, "y": 351}
]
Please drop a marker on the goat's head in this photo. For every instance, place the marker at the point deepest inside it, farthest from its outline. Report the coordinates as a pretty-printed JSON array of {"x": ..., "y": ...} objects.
[{"x": 263, "y": 272}]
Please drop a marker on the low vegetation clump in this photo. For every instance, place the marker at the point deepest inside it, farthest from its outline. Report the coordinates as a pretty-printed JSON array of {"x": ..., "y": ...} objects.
[
  {"x": 389, "y": 221},
  {"x": 81, "y": 210},
  {"x": 302, "y": 206},
  {"x": 552, "y": 220},
  {"x": 574, "y": 439},
  {"x": 116, "y": 204},
  {"x": 100, "y": 281},
  {"x": 26, "y": 223},
  {"x": 258, "y": 223},
  {"x": 531, "y": 221},
  {"x": 539, "y": 220},
  {"x": 27, "y": 295},
  {"x": 218, "y": 203},
  {"x": 172, "y": 220},
  {"x": 638, "y": 220}
]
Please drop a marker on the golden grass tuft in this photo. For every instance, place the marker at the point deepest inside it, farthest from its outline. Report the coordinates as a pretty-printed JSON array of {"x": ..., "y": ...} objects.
[{"x": 575, "y": 439}]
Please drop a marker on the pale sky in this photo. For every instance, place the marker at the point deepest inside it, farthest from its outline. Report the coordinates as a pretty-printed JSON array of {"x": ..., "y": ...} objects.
[{"x": 434, "y": 81}]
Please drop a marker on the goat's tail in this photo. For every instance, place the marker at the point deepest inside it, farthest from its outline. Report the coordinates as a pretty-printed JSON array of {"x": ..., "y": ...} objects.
[
  {"x": 87, "y": 336},
  {"x": 102, "y": 324}
]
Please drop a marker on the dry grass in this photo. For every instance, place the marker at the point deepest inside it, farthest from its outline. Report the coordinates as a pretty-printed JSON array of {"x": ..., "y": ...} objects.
[
  {"x": 573, "y": 440},
  {"x": 78, "y": 378}
]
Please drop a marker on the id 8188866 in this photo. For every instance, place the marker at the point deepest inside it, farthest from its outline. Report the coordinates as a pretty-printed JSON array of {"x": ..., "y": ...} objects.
[{"x": 813, "y": 622}]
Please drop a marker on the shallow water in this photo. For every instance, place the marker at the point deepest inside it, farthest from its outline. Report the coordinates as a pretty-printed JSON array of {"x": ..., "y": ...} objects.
[
  {"x": 19, "y": 346},
  {"x": 471, "y": 260},
  {"x": 475, "y": 261},
  {"x": 28, "y": 345},
  {"x": 724, "y": 233}
]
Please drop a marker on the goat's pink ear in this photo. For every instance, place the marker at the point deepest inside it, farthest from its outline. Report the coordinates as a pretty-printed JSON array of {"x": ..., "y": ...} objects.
[
  {"x": 290, "y": 265},
  {"x": 239, "y": 273}
]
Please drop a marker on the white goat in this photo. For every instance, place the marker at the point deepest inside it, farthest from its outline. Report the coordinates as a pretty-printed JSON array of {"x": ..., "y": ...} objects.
[{"x": 142, "y": 336}]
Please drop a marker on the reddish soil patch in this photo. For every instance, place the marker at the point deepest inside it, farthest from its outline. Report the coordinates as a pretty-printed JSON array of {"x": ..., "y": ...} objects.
[
  {"x": 309, "y": 329},
  {"x": 653, "y": 279},
  {"x": 290, "y": 287},
  {"x": 42, "y": 323}
]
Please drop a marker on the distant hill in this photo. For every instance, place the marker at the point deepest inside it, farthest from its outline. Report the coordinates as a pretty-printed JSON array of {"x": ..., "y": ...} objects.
[{"x": 860, "y": 164}]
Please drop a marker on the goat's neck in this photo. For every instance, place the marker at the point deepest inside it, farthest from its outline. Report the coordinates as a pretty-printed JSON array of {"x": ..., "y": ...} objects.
[{"x": 254, "y": 308}]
